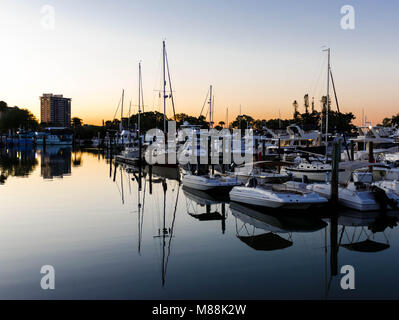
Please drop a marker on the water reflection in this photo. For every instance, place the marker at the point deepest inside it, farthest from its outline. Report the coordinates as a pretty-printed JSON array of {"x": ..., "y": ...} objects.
[
  {"x": 16, "y": 162},
  {"x": 366, "y": 232},
  {"x": 162, "y": 176},
  {"x": 141, "y": 234},
  {"x": 55, "y": 161},
  {"x": 253, "y": 219},
  {"x": 196, "y": 200}
]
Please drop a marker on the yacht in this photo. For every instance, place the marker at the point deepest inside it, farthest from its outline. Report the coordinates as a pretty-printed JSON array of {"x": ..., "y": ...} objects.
[
  {"x": 379, "y": 136},
  {"x": 321, "y": 172},
  {"x": 289, "y": 195},
  {"x": 54, "y": 136}
]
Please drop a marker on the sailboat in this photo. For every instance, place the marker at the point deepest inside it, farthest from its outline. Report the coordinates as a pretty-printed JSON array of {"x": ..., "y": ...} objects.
[
  {"x": 207, "y": 181},
  {"x": 163, "y": 149},
  {"x": 320, "y": 170},
  {"x": 132, "y": 150},
  {"x": 166, "y": 234}
]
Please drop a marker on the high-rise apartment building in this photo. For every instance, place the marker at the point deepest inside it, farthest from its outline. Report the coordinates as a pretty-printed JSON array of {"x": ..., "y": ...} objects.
[{"x": 55, "y": 110}]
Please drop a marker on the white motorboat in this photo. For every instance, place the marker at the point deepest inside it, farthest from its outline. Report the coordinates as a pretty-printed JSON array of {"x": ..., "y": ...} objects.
[
  {"x": 390, "y": 186},
  {"x": 289, "y": 195},
  {"x": 359, "y": 194},
  {"x": 391, "y": 181},
  {"x": 210, "y": 182}
]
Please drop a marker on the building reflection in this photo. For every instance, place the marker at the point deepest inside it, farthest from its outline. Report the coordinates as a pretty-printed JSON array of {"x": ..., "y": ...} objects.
[{"x": 55, "y": 161}]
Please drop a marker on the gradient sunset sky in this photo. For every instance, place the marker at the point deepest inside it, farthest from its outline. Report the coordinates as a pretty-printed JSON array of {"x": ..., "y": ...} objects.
[{"x": 260, "y": 54}]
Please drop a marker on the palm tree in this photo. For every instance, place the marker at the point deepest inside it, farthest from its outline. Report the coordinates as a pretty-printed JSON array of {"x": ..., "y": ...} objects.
[{"x": 76, "y": 122}]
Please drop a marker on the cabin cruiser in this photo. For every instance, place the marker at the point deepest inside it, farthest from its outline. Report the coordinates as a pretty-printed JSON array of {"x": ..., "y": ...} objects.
[
  {"x": 54, "y": 136},
  {"x": 312, "y": 171},
  {"x": 294, "y": 137},
  {"x": 379, "y": 136},
  {"x": 289, "y": 195},
  {"x": 319, "y": 171},
  {"x": 359, "y": 194}
]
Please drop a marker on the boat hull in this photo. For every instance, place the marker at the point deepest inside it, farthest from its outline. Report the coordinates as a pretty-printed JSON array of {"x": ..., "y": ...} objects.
[
  {"x": 205, "y": 184},
  {"x": 269, "y": 199}
]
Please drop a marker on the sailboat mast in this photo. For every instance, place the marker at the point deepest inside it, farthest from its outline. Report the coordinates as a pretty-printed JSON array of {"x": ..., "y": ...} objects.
[
  {"x": 164, "y": 86},
  {"x": 210, "y": 107},
  {"x": 121, "y": 124},
  {"x": 327, "y": 99},
  {"x": 140, "y": 91}
]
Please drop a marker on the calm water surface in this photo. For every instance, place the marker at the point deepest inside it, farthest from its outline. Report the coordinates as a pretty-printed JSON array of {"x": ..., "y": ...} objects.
[{"x": 109, "y": 239}]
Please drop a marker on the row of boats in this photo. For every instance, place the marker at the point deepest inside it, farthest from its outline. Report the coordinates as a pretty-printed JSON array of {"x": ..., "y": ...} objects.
[{"x": 297, "y": 179}]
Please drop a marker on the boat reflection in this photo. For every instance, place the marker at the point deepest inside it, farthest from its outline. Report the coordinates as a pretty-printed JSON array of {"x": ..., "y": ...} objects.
[
  {"x": 16, "y": 162},
  {"x": 365, "y": 232},
  {"x": 164, "y": 179},
  {"x": 253, "y": 219},
  {"x": 196, "y": 199}
]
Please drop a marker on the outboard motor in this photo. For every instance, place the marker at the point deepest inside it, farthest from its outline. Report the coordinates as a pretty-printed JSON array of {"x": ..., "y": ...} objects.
[{"x": 381, "y": 197}]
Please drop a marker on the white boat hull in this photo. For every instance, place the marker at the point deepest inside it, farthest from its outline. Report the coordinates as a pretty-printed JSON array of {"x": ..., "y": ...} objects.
[
  {"x": 274, "y": 199},
  {"x": 363, "y": 200},
  {"x": 204, "y": 183}
]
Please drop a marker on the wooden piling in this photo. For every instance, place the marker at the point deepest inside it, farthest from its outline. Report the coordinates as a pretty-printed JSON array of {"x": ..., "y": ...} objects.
[
  {"x": 334, "y": 245},
  {"x": 371, "y": 152},
  {"x": 150, "y": 178},
  {"x": 263, "y": 151},
  {"x": 352, "y": 144},
  {"x": 336, "y": 155}
]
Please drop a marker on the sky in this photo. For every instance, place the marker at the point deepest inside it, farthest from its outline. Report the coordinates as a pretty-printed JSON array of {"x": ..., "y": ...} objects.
[{"x": 261, "y": 55}]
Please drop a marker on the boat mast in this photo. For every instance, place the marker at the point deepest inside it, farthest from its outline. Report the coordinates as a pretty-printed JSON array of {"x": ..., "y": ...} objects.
[
  {"x": 128, "y": 119},
  {"x": 164, "y": 86},
  {"x": 327, "y": 99},
  {"x": 140, "y": 98},
  {"x": 121, "y": 124},
  {"x": 210, "y": 107}
]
